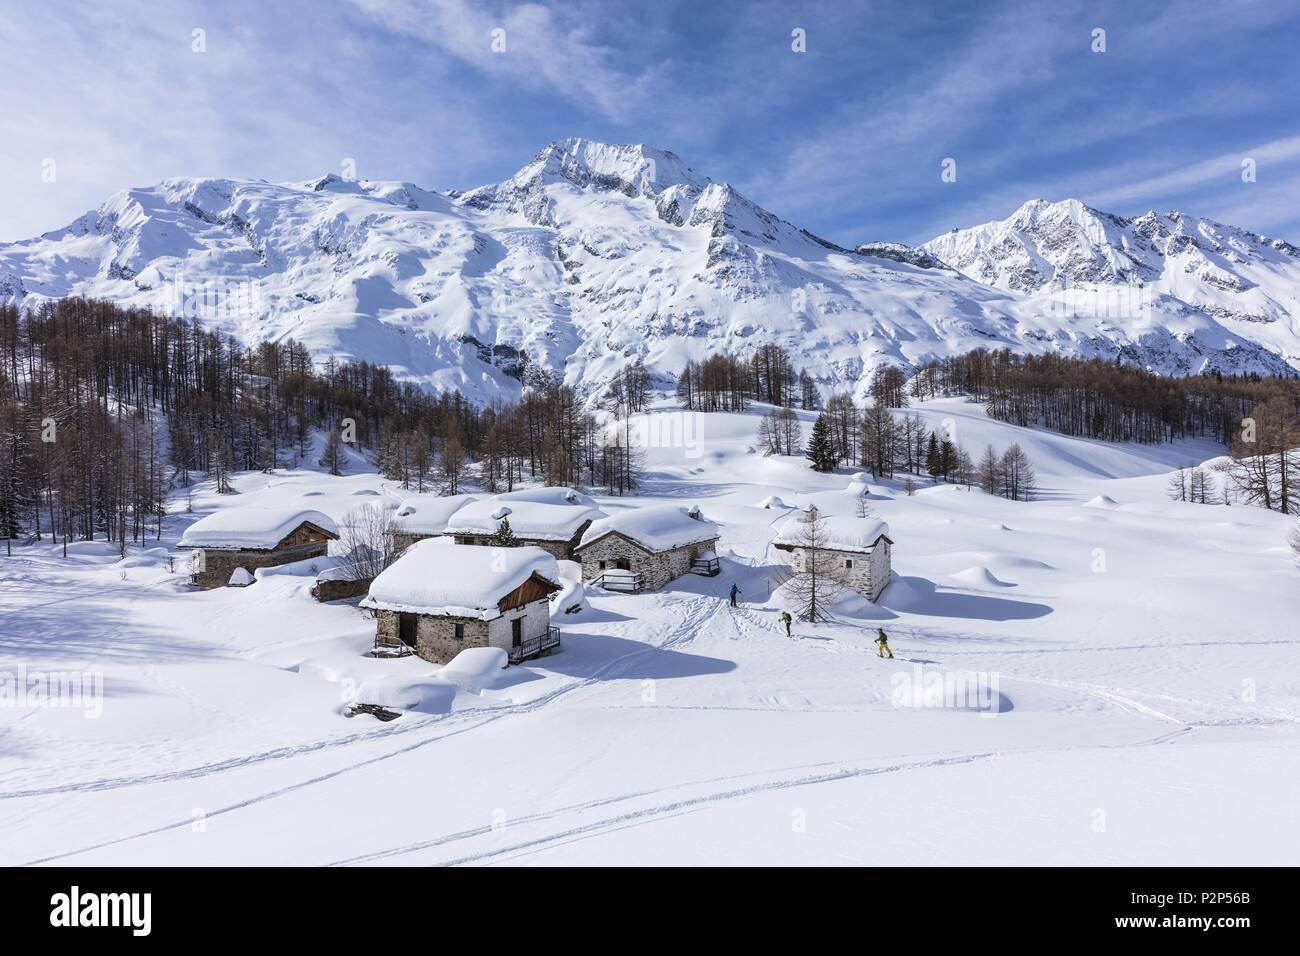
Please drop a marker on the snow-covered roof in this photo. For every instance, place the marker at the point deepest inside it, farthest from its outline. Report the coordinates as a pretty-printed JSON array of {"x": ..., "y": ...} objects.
[
  {"x": 428, "y": 514},
  {"x": 459, "y": 581},
  {"x": 656, "y": 528},
  {"x": 540, "y": 521},
  {"x": 252, "y": 529},
  {"x": 549, "y": 495},
  {"x": 841, "y": 533}
]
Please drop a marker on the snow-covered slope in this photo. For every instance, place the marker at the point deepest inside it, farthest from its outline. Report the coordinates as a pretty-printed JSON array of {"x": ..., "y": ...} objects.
[
  {"x": 589, "y": 256},
  {"x": 1139, "y": 656},
  {"x": 1184, "y": 270}
]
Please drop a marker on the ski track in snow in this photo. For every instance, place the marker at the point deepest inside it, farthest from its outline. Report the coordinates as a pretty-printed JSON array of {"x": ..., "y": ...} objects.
[
  {"x": 698, "y": 613},
  {"x": 687, "y": 804},
  {"x": 701, "y": 609}
]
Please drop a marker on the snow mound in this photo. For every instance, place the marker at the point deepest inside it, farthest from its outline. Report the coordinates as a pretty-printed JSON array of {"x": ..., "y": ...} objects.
[
  {"x": 930, "y": 688},
  {"x": 858, "y": 484},
  {"x": 429, "y": 694},
  {"x": 240, "y": 578},
  {"x": 1033, "y": 563},
  {"x": 981, "y": 577},
  {"x": 773, "y": 501},
  {"x": 1102, "y": 501},
  {"x": 307, "y": 567},
  {"x": 149, "y": 558},
  {"x": 475, "y": 669}
]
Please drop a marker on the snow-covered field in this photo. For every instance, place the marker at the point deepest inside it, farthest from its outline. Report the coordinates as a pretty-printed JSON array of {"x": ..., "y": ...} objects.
[{"x": 1144, "y": 656}]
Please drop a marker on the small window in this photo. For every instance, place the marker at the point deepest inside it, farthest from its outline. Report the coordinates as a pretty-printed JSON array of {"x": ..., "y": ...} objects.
[
  {"x": 602, "y": 565},
  {"x": 848, "y": 563},
  {"x": 460, "y": 632}
]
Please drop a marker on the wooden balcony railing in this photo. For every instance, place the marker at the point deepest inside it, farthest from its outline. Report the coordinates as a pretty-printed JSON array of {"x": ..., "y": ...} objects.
[{"x": 536, "y": 645}]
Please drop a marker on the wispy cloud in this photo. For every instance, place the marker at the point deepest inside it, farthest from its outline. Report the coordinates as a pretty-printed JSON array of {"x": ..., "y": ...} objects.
[
  {"x": 1223, "y": 170},
  {"x": 530, "y": 44}
]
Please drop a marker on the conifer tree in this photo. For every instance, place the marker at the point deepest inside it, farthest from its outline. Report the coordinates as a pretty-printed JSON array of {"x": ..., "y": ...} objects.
[
  {"x": 821, "y": 445},
  {"x": 505, "y": 535}
]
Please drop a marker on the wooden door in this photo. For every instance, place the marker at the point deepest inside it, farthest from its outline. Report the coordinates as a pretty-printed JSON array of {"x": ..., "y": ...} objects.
[
  {"x": 517, "y": 632},
  {"x": 407, "y": 625}
]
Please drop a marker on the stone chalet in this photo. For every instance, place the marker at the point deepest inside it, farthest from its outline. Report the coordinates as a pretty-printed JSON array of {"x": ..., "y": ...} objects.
[
  {"x": 860, "y": 547},
  {"x": 250, "y": 538},
  {"x": 439, "y": 599},
  {"x": 425, "y": 516},
  {"x": 554, "y": 527},
  {"x": 642, "y": 549}
]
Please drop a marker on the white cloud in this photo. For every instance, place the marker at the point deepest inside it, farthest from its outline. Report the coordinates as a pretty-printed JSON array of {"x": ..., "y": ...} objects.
[
  {"x": 1223, "y": 169},
  {"x": 543, "y": 49}
]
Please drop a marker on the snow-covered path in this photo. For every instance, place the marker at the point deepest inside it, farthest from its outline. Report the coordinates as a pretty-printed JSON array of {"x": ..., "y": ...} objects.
[{"x": 1149, "y": 704}]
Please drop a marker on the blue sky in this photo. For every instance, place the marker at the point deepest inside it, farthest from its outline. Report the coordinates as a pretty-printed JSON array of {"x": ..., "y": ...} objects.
[{"x": 846, "y": 139}]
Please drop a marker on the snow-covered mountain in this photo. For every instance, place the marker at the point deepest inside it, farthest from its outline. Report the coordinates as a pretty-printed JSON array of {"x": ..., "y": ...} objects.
[
  {"x": 1054, "y": 253},
  {"x": 594, "y": 254}
]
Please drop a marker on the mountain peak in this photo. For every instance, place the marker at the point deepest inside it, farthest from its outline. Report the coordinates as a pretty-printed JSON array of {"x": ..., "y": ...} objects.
[
  {"x": 632, "y": 168},
  {"x": 1044, "y": 208}
]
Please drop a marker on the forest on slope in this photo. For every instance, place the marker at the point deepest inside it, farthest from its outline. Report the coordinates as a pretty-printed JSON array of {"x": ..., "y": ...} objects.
[{"x": 105, "y": 411}]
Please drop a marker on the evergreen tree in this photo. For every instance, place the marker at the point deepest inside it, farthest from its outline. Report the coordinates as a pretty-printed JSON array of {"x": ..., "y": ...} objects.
[
  {"x": 933, "y": 466},
  {"x": 505, "y": 536},
  {"x": 821, "y": 445}
]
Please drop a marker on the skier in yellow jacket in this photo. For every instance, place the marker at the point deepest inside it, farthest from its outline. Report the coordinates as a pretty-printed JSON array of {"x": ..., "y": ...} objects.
[{"x": 882, "y": 644}]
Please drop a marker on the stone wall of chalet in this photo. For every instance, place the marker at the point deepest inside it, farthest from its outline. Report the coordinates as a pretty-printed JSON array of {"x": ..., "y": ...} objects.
[
  {"x": 337, "y": 590},
  {"x": 218, "y": 565},
  {"x": 868, "y": 574},
  {"x": 656, "y": 568},
  {"x": 435, "y": 636}
]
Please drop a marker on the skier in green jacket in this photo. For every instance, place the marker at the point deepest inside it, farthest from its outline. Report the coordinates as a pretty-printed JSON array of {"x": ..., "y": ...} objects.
[
  {"x": 882, "y": 644},
  {"x": 786, "y": 619}
]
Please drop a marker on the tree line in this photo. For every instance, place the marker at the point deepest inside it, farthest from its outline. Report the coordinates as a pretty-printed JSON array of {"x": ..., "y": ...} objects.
[
  {"x": 729, "y": 383},
  {"x": 104, "y": 410}
]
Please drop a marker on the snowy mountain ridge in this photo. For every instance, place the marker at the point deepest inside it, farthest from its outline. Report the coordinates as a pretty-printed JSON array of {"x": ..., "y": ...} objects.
[
  {"x": 1247, "y": 282},
  {"x": 594, "y": 254}
]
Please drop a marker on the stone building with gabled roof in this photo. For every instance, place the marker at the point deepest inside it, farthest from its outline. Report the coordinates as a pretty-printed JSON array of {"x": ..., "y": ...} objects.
[
  {"x": 251, "y": 538},
  {"x": 439, "y": 598},
  {"x": 860, "y": 547},
  {"x": 642, "y": 549}
]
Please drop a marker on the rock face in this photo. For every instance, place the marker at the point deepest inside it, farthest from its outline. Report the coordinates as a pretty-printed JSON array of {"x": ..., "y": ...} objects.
[
  {"x": 595, "y": 254},
  {"x": 901, "y": 253}
]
